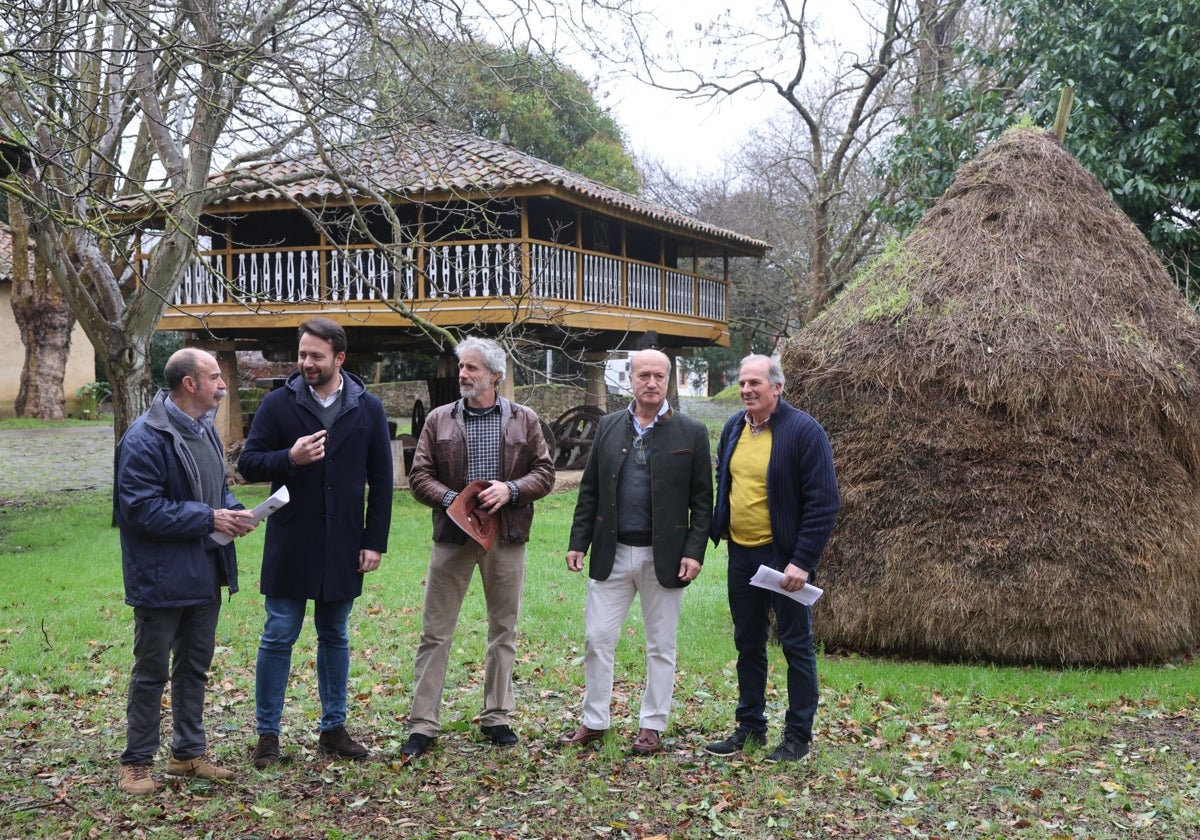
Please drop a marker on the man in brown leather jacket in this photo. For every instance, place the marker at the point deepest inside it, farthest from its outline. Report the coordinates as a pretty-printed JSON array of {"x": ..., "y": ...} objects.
[{"x": 480, "y": 437}]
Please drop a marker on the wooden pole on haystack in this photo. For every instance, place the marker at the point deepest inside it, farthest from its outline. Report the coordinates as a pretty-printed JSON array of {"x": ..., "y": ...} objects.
[{"x": 1064, "y": 112}]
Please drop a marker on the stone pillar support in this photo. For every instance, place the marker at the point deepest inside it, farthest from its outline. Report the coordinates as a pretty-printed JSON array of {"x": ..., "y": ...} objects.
[
  {"x": 595, "y": 390},
  {"x": 228, "y": 420}
]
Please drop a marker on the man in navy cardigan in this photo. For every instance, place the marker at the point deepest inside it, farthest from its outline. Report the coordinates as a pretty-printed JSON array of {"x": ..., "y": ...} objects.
[
  {"x": 777, "y": 501},
  {"x": 325, "y": 437}
]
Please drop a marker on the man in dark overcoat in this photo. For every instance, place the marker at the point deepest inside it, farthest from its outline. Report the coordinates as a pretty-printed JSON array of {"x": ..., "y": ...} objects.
[{"x": 326, "y": 438}]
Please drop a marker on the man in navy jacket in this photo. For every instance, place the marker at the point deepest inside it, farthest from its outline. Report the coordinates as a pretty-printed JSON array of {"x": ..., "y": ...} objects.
[
  {"x": 777, "y": 501},
  {"x": 169, "y": 496},
  {"x": 326, "y": 438}
]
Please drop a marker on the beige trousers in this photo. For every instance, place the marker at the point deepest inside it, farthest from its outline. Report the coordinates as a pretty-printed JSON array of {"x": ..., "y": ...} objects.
[
  {"x": 608, "y": 603},
  {"x": 451, "y": 568}
]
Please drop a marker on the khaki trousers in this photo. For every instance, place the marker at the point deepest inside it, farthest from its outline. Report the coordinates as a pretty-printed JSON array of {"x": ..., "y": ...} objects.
[{"x": 451, "y": 568}]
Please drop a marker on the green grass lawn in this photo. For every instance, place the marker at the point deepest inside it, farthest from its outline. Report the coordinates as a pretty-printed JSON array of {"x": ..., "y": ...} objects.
[{"x": 902, "y": 749}]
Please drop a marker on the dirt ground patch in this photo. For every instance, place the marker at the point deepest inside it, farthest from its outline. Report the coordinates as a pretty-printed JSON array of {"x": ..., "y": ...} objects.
[{"x": 567, "y": 480}]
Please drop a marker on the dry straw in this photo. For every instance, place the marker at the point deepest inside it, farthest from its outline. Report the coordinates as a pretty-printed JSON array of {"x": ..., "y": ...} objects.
[{"x": 1013, "y": 398}]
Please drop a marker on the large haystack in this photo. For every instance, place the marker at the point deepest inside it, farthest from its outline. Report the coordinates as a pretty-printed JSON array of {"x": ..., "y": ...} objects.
[{"x": 1013, "y": 398}]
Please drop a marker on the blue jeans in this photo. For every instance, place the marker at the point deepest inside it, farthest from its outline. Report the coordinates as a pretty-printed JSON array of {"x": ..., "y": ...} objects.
[
  {"x": 750, "y": 608},
  {"x": 285, "y": 617}
]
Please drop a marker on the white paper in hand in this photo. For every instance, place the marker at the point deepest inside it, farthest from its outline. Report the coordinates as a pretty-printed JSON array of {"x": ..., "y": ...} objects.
[
  {"x": 768, "y": 578},
  {"x": 259, "y": 512}
]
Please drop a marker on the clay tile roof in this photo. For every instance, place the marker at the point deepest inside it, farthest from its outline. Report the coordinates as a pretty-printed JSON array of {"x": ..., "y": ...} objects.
[{"x": 436, "y": 159}]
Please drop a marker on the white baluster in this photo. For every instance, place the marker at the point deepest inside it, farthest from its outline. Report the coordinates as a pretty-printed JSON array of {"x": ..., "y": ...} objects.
[
  {"x": 539, "y": 268},
  {"x": 460, "y": 285},
  {"x": 219, "y": 283},
  {"x": 410, "y": 269}
]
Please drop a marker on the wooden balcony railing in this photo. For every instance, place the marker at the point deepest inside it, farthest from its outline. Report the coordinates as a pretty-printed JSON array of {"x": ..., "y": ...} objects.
[{"x": 479, "y": 269}]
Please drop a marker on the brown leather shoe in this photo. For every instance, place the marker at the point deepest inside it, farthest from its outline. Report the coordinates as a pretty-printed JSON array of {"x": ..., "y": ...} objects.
[
  {"x": 647, "y": 742},
  {"x": 582, "y": 736},
  {"x": 200, "y": 767},
  {"x": 136, "y": 780}
]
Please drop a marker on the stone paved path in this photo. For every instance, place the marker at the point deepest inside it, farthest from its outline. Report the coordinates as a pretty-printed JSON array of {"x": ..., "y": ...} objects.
[
  {"x": 67, "y": 458},
  {"x": 81, "y": 458}
]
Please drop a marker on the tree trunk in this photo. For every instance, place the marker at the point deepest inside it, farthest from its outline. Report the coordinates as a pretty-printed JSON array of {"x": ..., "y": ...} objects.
[
  {"x": 128, "y": 370},
  {"x": 819, "y": 291},
  {"x": 44, "y": 321},
  {"x": 714, "y": 382},
  {"x": 936, "y": 45}
]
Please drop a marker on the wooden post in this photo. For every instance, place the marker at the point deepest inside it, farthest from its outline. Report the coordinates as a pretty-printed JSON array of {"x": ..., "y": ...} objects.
[
  {"x": 673, "y": 378},
  {"x": 1065, "y": 101},
  {"x": 506, "y": 388},
  {"x": 399, "y": 473}
]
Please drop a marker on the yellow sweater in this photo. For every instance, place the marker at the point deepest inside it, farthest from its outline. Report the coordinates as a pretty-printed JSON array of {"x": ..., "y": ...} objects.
[{"x": 749, "y": 518}]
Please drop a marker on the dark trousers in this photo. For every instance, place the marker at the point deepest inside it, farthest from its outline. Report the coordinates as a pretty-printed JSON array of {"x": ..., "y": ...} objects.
[
  {"x": 750, "y": 608},
  {"x": 176, "y": 644}
]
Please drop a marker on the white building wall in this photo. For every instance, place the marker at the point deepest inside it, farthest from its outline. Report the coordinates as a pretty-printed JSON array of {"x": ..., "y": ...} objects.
[{"x": 617, "y": 378}]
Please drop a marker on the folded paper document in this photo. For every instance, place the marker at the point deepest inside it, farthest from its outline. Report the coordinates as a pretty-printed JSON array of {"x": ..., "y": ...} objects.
[
  {"x": 259, "y": 512},
  {"x": 769, "y": 578}
]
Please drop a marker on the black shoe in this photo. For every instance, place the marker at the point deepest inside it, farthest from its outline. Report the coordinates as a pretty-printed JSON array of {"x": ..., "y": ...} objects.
[
  {"x": 417, "y": 744},
  {"x": 501, "y": 734},
  {"x": 789, "y": 750},
  {"x": 736, "y": 742},
  {"x": 266, "y": 752},
  {"x": 339, "y": 742}
]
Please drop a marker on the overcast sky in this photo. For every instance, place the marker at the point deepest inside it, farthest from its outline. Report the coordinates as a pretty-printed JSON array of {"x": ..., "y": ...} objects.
[
  {"x": 690, "y": 136},
  {"x": 694, "y": 136}
]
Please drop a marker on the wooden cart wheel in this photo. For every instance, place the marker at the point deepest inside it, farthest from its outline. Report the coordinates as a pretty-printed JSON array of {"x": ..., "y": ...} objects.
[
  {"x": 548, "y": 434},
  {"x": 418, "y": 418},
  {"x": 574, "y": 432}
]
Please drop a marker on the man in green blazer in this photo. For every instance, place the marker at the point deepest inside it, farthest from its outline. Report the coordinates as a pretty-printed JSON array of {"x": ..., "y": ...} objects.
[{"x": 645, "y": 502}]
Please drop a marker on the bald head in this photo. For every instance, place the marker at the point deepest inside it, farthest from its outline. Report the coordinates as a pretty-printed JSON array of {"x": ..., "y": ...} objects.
[
  {"x": 651, "y": 374},
  {"x": 642, "y": 357},
  {"x": 194, "y": 378},
  {"x": 182, "y": 363}
]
